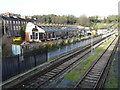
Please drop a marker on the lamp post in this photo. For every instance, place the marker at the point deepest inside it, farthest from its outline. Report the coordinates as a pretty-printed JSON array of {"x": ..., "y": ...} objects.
[
  {"x": 92, "y": 47},
  {"x": 91, "y": 44}
]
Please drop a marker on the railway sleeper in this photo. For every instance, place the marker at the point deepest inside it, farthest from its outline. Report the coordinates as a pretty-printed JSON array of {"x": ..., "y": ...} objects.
[
  {"x": 45, "y": 77},
  {"x": 39, "y": 80},
  {"x": 95, "y": 72},
  {"x": 61, "y": 67},
  {"x": 58, "y": 70},
  {"x": 54, "y": 71},
  {"x": 42, "y": 79},
  {"x": 51, "y": 73},
  {"x": 90, "y": 81},
  {"x": 93, "y": 76},
  {"x": 26, "y": 86},
  {"x": 86, "y": 85},
  {"x": 90, "y": 78},
  {"x": 30, "y": 83},
  {"x": 65, "y": 64},
  {"x": 98, "y": 69},
  {"x": 99, "y": 65}
]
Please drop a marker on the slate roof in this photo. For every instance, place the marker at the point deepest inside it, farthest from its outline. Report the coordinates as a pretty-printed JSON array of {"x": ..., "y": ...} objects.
[
  {"x": 16, "y": 18},
  {"x": 58, "y": 29}
]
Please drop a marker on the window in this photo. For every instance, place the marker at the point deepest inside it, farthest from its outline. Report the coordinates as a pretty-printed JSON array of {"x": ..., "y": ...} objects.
[
  {"x": 48, "y": 35},
  {"x": 7, "y": 21},
  {"x": 19, "y": 22},
  {"x": 8, "y": 27},
  {"x": 40, "y": 35},
  {"x": 36, "y": 35},
  {"x": 16, "y": 22},
  {"x": 15, "y": 33},
  {"x": 9, "y": 33},
  {"x": 14, "y": 28},
  {"x": 11, "y": 27},
  {"x": 19, "y": 27},
  {"x": 10, "y": 22},
  {"x": 13, "y": 22},
  {"x": 31, "y": 36},
  {"x": 33, "y": 33}
]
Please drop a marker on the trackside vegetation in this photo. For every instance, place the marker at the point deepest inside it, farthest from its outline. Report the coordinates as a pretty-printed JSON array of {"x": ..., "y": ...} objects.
[{"x": 83, "y": 66}]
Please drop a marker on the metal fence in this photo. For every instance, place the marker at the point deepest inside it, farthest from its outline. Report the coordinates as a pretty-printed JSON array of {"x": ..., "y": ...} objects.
[{"x": 14, "y": 65}]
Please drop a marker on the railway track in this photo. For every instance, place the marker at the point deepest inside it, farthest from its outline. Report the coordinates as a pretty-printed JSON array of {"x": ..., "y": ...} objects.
[
  {"x": 94, "y": 77},
  {"x": 40, "y": 80}
]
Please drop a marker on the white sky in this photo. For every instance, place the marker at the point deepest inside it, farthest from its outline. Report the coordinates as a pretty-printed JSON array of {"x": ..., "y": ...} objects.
[{"x": 60, "y": 7}]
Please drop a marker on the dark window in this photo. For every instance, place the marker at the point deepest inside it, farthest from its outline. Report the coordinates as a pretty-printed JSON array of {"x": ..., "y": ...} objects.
[
  {"x": 48, "y": 35},
  {"x": 31, "y": 36},
  {"x": 33, "y": 33},
  {"x": 36, "y": 35},
  {"x": 40, "y": 35}
]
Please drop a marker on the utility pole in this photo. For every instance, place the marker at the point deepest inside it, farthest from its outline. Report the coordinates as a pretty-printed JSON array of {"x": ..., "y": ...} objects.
[
  {"x": 4, "y": 27},
  {"x": 91, "y": 44},
  {"x": 92, "y": 47}
]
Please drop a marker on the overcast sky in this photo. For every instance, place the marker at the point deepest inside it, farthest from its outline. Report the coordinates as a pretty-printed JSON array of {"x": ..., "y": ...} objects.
[{"x": 60, "y": 7}]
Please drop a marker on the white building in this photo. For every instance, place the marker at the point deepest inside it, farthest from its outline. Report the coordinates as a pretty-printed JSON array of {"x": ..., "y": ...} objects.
[
  {"x": 102, "y": 31},
  {"x": 33, "y": 32}
]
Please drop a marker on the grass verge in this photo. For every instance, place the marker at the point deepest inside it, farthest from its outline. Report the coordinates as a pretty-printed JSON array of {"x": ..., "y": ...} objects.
[
  {"x": 83, "y": 66},
  {"x": 112, "y": 81}
]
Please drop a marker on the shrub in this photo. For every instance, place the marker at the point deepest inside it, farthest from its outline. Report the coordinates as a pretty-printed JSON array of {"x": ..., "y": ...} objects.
[{"x": 22, "y": 32}]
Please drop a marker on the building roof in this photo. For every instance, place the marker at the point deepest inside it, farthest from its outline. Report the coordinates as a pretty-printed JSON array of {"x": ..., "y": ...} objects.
[
  {"x": 34, "y": 29},
  {"x": 15, "y": 18},
  {"x": 58, "y": 28},
  {"x": 30, "y": 26}
]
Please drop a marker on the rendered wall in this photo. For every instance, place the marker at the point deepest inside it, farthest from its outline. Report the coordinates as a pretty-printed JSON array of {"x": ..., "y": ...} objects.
[{"x": 27, "y": 36}]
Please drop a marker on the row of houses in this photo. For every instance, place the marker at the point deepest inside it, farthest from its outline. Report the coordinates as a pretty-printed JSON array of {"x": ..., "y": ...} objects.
[
  {"x": 12, "y": 24},
  {"x": 40, "y": 33}
]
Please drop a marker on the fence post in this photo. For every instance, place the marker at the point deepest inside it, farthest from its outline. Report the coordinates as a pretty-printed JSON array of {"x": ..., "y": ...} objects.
[
  {"x": 35, "y": 59},
  {"x": 46, "y": 53},
  {"x": 18, "y": 64}
]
